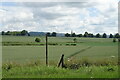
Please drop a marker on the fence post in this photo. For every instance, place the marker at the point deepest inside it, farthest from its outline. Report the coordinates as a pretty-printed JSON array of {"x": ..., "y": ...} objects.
[
  {"x": 61, "y": 61},
  {"x": 46, "y": 51}
]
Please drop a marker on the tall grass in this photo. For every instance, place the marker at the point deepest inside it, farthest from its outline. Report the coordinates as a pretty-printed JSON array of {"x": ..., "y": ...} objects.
[
  {"x": 55, "y": 72},
  {"x": 38, "y": 70}
]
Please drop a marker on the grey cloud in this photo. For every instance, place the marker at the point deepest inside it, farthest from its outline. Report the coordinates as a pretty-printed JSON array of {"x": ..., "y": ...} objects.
[
  {"x": 37, "y": 4},
  {"x": 51, "y": 4},
  {"x": 38, "y": 14}
]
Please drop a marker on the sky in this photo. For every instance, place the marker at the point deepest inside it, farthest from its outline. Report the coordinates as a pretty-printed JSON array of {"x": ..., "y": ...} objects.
[{"x": 100, "y": 16}]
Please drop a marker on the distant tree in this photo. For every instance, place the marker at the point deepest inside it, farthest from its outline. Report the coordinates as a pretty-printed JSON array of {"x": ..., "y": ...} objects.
[
  {"x": 67, "y": 35},
  {"x": 37, "y": 40},
  {"x": 114, "y": 39},
  {"x": 79, "y": 35},
  {"x": 111, "y": 36},
  {"x": 28, "y": 34},
  {"x": 117, "y": 35},
  {"x": 86, "y": 34},
  {"x": 54, "y": 34},
  {"x": 98, "y": 35},
  {"x": 2, "y": 33},
  {"x": 48, "y": 34},
  {"x": 75, "y": 40},
  {"x": 73, "y": 35},
  {"x": 118, "y": 39},
  {"x": 24, "y": 32},
  {"x": 7, "y": 33},
  {"x": 90, "y": 35},
  {"x": 104, "y": 35}
]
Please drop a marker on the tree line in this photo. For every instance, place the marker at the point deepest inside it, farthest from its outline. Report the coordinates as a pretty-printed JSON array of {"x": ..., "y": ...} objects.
[
  {"x": 86, "y": 34},
  {"x": 24, "y": 33},
  {"x": 54, "y": 34},
  {"x": 15, "y": 33}
]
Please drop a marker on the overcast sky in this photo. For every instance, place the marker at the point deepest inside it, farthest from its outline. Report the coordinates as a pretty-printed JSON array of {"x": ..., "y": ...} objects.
[{"x": 94, "y": 17}]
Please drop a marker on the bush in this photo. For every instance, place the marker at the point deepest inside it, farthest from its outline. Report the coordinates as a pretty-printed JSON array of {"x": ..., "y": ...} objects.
[
  {"x": 75, "y": 40},
  {"x": 53, "y": 44},
  {"x": 114, "y": 40},
  {"x": 37, "y": 40},
  {"x": 73, "y": 44},
  {"x": 119, "y": 40}
]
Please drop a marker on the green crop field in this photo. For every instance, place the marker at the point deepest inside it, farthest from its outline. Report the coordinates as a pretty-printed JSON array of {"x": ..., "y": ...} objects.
[
  {"x": 24, "y": 50},
  {"x": 100, "y": 48}
]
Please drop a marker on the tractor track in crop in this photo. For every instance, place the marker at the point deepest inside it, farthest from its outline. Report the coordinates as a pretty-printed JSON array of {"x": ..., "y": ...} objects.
[{"x": 79, "y": 52}]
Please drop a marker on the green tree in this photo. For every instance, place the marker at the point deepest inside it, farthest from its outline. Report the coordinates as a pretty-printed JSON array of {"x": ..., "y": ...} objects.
[
  {"x": 104, "y": 35},
  {"x": 98, "y": 35},
  {"x": 24, "y": 32},
  {"x": 90, "y": 35},
  {"x": 73, "y": 35},
  {"x": 111, "y": 36},
  {"x": 28, "y": 34},
  {"x": 2, "y": 33},
  {"x": 117, "y": 35},
  {"x": 67, "y": 35},
  {"x": 79, "y": 35},
  {"x": 7, "y": 33},
  {"x": 37, "y": 40},
  {"x": 48, "y": 34},
  {"x": 86, "y": 34},
  {"x": 54, "y": 34}
]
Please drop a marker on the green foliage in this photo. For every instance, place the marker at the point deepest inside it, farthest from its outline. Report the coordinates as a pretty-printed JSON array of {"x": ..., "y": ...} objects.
[
  {"x": 80, "y": 35},
  {"x": 73, "y": 35},
  {"x": 37, "y": 40},
  {"x": 24, "y": 32},
  {"x": 48, "y": 34},
  {"x": 15, "y": 33},
  {"x": 90, "y": 35},
  {"x": 67, "y": 35},
  {"x": 104, "y": 35},
  {"x": 54, "y": 34},
  {"x": 86, "y": 34},
  {"x": 75, "y": 40},
  {"x": 111, "y": 36},
  {"x": 3, "y": 33},
  {"x": 118, "y": 39},
  {"x": 7, "y": 33},
  {"x": 98, "y": 35},
  {"x": 117, "y": 35},
  {"x": 114, "y": 39}
]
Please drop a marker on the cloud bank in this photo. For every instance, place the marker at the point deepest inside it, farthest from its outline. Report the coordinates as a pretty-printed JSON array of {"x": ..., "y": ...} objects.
[{"x": 94, "y": 17}]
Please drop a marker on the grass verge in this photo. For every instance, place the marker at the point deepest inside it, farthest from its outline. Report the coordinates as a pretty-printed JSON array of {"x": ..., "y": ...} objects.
[{"x": 109, "y": 71}]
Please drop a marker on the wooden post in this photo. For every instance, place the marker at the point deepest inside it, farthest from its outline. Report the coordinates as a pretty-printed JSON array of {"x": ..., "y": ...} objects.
[
  {"x": 46, "y": 51},
  {"x": 61, "y": 61}
]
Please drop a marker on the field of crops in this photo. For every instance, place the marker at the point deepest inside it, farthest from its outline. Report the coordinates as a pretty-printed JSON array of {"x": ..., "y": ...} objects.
[
  {"x": 100, "y": 48},
  {"x": 91, "y": 50}
]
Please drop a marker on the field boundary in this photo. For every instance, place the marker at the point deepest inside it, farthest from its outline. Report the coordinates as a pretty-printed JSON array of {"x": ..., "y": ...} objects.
[{"x": 79, "y": 52}]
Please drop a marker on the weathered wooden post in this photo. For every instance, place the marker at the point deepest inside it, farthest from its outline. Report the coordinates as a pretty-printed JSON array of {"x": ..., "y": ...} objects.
[
  {"x": 62, "y": 62},
  {"x": 46, "y": 50}
]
